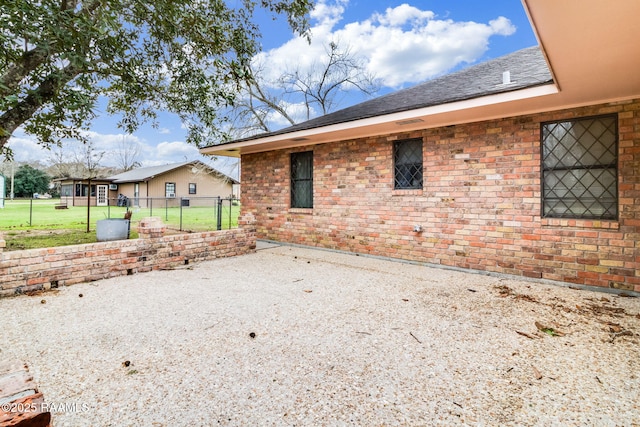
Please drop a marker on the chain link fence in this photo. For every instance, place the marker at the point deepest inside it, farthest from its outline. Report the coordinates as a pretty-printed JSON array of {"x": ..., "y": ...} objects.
[{"x": 180, "y": 214}]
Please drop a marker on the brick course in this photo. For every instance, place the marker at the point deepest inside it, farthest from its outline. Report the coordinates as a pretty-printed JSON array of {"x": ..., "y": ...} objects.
[
  {"x": 479, "y": 207},
  {"x": 43, "y": 269}
]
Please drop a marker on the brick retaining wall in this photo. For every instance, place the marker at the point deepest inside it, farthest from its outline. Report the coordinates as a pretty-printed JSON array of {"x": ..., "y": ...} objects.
[{"x": 43, "y": 269}]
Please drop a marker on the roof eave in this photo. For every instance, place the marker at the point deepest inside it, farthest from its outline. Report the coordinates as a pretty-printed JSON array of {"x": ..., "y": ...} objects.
[{"x": 420, "y": 118}]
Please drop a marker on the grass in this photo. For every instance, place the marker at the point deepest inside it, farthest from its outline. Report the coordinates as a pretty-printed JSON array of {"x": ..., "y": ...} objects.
[
  {"x": 28, "y": 239},
  {"x": 29, "y": 224}
]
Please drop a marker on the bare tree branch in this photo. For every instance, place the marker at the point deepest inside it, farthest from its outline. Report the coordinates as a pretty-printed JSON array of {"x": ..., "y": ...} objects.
[
  {"x": 318, "y": 89},
  {"x": 127, "y": 155}
]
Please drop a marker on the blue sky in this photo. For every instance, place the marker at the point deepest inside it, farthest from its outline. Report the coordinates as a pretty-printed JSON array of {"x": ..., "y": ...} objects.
[{"x": 402, "y": 43}]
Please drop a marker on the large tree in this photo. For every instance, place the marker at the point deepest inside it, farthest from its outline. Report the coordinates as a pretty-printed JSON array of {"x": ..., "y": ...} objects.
[
  {"x": 28, "y": 181},
  {"x": 186, "y": 57}
]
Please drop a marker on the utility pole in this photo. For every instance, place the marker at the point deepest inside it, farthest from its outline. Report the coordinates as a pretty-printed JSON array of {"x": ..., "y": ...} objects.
[
  {"x": 89, "y": 204},
  {"x": 12, "y": 176}
]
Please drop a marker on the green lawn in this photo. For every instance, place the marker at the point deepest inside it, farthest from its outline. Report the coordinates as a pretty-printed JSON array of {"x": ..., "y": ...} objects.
[{"x": 36, "y": 223}]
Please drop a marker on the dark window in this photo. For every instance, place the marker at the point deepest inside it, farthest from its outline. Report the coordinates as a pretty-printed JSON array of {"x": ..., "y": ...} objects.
[
  {"x": 82, "y": 190},
  {"x": 302, "y": 180},
  {"x": 407, "y": 160},
  {"x": 192, "y": 188},
  {"x": 579, "y": 168}
]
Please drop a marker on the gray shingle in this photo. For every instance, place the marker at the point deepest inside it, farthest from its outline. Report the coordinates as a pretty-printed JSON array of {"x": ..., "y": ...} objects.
[
  {"x": 527, "y": 68},
  {"x": 145, "y": 174}
]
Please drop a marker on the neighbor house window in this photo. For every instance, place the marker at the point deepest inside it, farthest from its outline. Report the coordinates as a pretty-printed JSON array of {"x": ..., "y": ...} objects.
[
  {"x": 82, "y": 190},
  {"x": 407, "y": 160},
  {"x": 302, "y": 180},
  {"x": 580, "y": 168},
  {"x": 192, "y": 188},
  {"x": 169, "y": 189}
]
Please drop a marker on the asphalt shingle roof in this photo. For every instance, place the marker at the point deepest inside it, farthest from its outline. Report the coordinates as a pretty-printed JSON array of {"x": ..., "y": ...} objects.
[
  {"x": 527, "y": 67},
  {"x": 144, "y": 174}
]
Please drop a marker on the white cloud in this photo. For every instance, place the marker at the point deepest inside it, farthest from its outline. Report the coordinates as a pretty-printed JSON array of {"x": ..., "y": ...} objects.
[
  {"x": 328, "y": 14},
  {"x": 402, "y": 14},
  {"x": 297, "y": 111},
  {"x": 175, "y": 151},
  {"x": 402, "y": 45},
  {"x": 26, "y": 148},
  {"x": 502, "y": 26}
]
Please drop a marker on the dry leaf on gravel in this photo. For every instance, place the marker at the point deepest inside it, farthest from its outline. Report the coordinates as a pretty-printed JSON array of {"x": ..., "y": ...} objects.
[
  {"x": 504, "y": 290},
  {"x": 614, "y": 327},
  {"x": 526, "y": 298},
  {"x": 548, "y": 330}
]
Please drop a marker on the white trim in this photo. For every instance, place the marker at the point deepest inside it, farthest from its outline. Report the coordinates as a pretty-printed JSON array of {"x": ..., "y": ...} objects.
[{"x": 233, "y": 149}]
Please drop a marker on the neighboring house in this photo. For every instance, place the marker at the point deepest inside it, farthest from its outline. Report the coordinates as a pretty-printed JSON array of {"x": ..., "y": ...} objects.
[
  {"x": 81, "y": 191},
  {"x": 174, "y": 181},
  {"x": 526, "y": 165}
]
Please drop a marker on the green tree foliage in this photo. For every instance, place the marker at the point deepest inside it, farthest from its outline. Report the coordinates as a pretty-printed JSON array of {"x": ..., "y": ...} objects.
[
  {"x": 186, "y": 57},
  {"x": 28, "y": 180}
]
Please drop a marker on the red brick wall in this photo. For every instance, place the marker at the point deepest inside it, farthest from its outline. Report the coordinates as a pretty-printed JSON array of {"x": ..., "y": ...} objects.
[
  {"x": 479, "y": 207},
  {"x": 43, "y": 269}
]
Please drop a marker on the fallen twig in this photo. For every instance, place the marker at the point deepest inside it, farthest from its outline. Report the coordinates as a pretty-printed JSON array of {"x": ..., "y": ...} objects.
[
  {"x": 416, "y": 338},
  {"x": 524, "y": 334},
  {"x": 536, "y": 373},
  {"x": 615, "y": 335}
]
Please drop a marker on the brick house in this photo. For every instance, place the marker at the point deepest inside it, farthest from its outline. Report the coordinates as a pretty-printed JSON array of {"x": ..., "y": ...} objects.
[{"x": 527, "y": 165}]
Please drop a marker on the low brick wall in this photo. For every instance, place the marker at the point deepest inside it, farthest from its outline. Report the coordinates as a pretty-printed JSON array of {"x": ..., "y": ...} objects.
[{"x": 44, "y": 269}]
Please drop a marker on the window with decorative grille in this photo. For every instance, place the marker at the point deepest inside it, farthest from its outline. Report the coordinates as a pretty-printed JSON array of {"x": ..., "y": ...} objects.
[
  {"x": 580, "y": 168},
  {"x": 302, "y": 180},
  {"x": 407, "y": 159}
]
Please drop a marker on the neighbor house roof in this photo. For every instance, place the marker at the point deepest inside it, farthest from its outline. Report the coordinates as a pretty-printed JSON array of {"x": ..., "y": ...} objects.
[
  {"x": 148, "y": 173},
  {"x": 587, "y": 54},
  {"x": 71, "y": 178}
]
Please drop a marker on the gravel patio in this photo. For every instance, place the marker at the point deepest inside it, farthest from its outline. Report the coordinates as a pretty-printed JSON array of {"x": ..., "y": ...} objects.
[{"x": 292, "y": 336}]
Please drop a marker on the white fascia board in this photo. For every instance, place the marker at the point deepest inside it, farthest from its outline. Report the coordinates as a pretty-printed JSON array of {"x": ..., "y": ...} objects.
[{"x": 517, "y": 95}]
